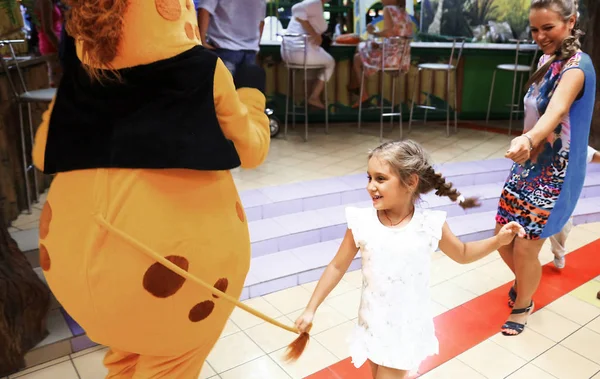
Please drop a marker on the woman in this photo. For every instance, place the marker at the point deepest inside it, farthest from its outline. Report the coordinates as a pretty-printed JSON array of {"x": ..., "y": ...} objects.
[
  {"x": 550, "y": 157},
  {"x": 307, "y": 18},
  {"x": 396, "y": 23}
]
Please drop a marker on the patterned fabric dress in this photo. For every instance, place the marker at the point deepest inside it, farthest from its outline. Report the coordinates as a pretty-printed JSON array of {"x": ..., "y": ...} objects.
[
  {"x": 370, "y": 51},
  {"x": 542, "y": 193}
]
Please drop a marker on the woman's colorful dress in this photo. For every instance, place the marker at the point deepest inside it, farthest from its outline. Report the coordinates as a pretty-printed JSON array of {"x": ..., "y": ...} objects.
[
  {"x": 542, "y": 194},
  {"x": 396, "y": 52}
]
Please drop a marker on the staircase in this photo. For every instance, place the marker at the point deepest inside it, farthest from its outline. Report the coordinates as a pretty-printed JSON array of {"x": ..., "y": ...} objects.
[{"x": 296, "y": 229}]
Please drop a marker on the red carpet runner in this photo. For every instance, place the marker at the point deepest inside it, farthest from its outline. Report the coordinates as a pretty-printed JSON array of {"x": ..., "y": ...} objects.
[{"x": 465, "y": 326}]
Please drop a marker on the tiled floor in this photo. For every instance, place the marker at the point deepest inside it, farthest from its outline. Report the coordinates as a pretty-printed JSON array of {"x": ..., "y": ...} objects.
[{"x": 560, "y": 342}]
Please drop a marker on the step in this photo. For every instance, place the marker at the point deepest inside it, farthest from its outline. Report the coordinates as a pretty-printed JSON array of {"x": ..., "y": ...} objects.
[
  {"x": 309, "y": 227},
  {"x": 269, "y": 202},
  {"x": 294, "y": 230},
  {"x": 293, "y": 267}
]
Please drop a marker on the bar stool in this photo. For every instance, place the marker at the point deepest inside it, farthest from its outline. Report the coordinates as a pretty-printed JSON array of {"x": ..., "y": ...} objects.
[
  {"x": 449, "y": 68},
  {"x": 391, "y": 45},
  {"x": 25, "y": 97},
  {"x": 300, "y": 43},
  {"x": 516, "y": 68}
]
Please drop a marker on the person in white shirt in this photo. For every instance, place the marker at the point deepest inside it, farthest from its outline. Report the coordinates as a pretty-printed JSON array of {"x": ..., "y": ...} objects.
[
  {"x": 557, "y": 241},
  {"x": 307, "y": 18},
  {"x": 231, "y": 32}
]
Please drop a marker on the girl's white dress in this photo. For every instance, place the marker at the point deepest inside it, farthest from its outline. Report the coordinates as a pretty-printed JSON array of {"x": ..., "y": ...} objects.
[{"x": 395, "y": 323}]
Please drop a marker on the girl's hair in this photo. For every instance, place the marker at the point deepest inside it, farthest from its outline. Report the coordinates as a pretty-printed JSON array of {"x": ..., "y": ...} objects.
[
  {"x": 570, "y": 45},
  {"x": 98, "y": 24},
  {"x": 407, "y": 158},
  {"x": 401, "y": 3}
]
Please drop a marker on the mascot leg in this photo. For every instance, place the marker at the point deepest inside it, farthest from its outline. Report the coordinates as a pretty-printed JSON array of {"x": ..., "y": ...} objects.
[{"x": 123, "y": 365}]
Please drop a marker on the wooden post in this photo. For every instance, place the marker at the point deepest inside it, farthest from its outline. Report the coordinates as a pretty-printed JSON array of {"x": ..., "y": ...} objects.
[{"x": 24, "y": 304}]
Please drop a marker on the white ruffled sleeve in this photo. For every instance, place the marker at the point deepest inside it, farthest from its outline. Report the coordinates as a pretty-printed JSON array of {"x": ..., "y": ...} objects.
[
  {"x": 356, "y": 220},
  {"x": 433, "y": 223}
]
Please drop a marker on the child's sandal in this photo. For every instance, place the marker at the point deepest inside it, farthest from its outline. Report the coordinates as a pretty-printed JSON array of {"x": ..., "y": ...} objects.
[{"x": 515, "y": 326}]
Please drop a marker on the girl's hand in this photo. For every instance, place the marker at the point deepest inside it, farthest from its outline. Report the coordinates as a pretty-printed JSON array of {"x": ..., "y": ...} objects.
[
  {"x": 520, "y": 150},
  {"x": 305, "y": 320},
  {"x": 508, "y": 233},
  {"x": 370, "y": 29}
]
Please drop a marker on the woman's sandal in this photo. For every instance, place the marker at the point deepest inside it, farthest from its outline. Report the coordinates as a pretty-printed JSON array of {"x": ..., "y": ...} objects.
[
  {"x": 515, "y": 326},
  {"x": 512, "y": 296}
]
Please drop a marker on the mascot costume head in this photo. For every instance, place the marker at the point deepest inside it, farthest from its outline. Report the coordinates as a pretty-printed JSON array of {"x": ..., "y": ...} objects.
[{"x": 143, "y": 238}]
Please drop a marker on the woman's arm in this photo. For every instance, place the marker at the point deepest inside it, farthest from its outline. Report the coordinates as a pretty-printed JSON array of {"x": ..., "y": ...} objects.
[
  {"x": 315, "y": 37},
  {"x": 334, "y": 272},
  {"x": 565, "y": 94},
  {"x": 388, "y": 25},
  {"x": 469, "y": 252}
]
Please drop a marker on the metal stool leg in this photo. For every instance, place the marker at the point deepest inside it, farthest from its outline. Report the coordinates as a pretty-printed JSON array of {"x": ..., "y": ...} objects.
[
  {"x": 326, "y": 110},
  {"x": 487, "y": 118},
  {"x": 287, "y": 104},
  {"x": 393, "y": 102},
  {"x": 24, "y": 156},
  {"x": 448, "y": 103},
  {"x": 412, "y": 106},
  {"x": 360, "y": 96},
  {"x": 512, "y": 102},
  {"x": 428, "y": 96},
  {"x": 455, "y": 102},
  {"x": 381, "y": 107},
  {"x": 519, "y": 98},
  {"x": 305, "y": 107},
  {"x": 400, "y": 110},
  {"x": 32, "y": 167},
  {"x": 293, "y": 99}
]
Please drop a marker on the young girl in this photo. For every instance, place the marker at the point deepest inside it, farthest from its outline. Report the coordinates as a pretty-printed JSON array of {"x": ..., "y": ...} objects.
[
  {"x": 395, "y": 330},
  {"x": 396, "y": 23}
]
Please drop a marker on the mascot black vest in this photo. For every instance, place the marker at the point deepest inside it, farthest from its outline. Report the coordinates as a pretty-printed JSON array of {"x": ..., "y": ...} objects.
[{"x": 160, "y": 115}]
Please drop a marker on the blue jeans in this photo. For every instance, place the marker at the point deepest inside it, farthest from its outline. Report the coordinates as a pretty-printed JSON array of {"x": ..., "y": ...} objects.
[{"x": 235, "y": 58}]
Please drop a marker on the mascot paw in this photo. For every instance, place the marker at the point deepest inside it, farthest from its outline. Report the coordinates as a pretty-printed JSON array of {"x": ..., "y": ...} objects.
[{"x": 250, "y": 76}]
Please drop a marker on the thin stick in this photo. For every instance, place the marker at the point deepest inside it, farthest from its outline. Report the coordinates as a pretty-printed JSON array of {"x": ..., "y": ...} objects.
[{"x": 178, "y": 270}]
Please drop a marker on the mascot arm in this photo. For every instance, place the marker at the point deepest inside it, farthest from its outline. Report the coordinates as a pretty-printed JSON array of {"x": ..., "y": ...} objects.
[
  {"x": 241, "y": 115},
  {"x": 41, "y": 136}
]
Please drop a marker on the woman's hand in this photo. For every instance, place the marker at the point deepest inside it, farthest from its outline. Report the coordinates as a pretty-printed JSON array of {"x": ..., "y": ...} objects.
[
  {"x": 508, "y": 233},
  {"x": 519, "y": 150},
  {"x": 370, "y": 29},
  {"x": 305, "y": 320}
]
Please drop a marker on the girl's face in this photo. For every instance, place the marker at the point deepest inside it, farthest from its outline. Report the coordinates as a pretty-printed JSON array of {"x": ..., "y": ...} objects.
[
  {"x": 385, "y": 187},
  {"x": 549, "y": 29}
]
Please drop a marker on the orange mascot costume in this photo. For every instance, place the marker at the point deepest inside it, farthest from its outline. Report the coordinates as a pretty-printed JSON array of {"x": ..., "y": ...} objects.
[{"x": 141, "y": 136}]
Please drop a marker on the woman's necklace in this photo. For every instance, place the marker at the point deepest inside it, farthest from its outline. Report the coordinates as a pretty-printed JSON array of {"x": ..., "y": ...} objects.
[{"x": 403, "y": 218}]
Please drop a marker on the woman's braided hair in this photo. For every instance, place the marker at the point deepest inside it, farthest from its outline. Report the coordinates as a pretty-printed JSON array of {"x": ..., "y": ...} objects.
[
  {"x": 407, "y": 158},
  {"x": 98, "y": 25},
  {"x": 570, "y": 45}
]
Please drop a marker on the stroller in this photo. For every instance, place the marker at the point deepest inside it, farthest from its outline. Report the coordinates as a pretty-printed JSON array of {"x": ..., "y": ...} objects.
[
  {"x": 240, "y": 79},
  {"x": 273, "y": 122}
]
